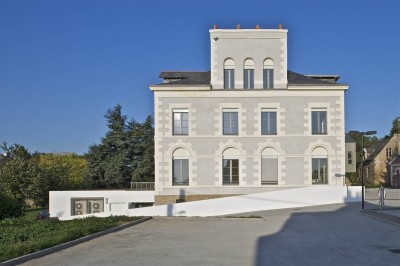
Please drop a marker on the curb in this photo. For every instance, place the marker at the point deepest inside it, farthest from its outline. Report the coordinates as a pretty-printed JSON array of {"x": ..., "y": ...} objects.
[
  {"x": 51, "y": 250},
  {"x": 382, "y": 216}
]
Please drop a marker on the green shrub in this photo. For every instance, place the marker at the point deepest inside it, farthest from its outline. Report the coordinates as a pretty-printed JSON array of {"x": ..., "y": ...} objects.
[
  {"x": 21, "y": 236},
  {"x": 10, "y": 207}
]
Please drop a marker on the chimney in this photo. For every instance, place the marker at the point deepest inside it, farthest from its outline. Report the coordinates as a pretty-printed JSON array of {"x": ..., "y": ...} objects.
[
  {"x": 280, "y": 26},
  {"x": 257, "y": 27},
  {"x": 215, "y": 26},
  {"x": 238, "y": 26}
]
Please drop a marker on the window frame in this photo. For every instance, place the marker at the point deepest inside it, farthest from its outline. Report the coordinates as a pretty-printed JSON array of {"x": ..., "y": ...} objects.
[
  {"x": 181, "y": 169},
  {"x": 389, "y": 152},
  {"x": 349, "y": 157},
  {"x": 229, "y": 74},
  {"x": 326, "y": 176},
  {"x": 268, "y": 78},
  {"x": 268, "y": 74},
  {"x": 230, "y": 112},
  {"x": 181, "y": 132},
  {"x": 320, "y": 129},
  {"x": 269, "y": 131},
  {"x": 230, "y": 169},
  {"x": 248, "y": 79}
]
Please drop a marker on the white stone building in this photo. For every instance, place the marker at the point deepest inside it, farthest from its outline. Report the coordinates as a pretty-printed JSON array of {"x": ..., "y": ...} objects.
[{"x": 249, "y": 125}]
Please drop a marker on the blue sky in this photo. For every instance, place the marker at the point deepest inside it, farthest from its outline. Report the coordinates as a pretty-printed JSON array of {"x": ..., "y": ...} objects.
[{"x": 64, "y": 63}]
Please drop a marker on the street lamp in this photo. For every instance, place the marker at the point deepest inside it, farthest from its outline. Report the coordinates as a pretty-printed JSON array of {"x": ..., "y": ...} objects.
[{"x": 367, "y": 133}]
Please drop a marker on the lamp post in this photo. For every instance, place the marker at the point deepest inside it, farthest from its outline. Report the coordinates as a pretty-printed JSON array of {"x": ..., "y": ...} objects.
[{"x": 367, "y": 133}]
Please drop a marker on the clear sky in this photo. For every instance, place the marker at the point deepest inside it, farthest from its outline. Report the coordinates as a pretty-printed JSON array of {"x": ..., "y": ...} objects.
[{"x": 64, "y": 63}]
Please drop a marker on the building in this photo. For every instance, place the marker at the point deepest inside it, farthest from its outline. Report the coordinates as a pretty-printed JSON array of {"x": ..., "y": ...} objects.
[
  {"x": 395, "y": 172},
  {"x": 248, "y": 125},
  {"x": 378, "y": 157},
  {"x": 351, "y": 154}
]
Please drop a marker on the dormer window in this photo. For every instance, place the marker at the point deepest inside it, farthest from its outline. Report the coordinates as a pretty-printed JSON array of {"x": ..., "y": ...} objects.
[
  {"x": 248, "y": 74},
  {"x": 229, "y": 74},
  {"x": 268, "y": 74}
]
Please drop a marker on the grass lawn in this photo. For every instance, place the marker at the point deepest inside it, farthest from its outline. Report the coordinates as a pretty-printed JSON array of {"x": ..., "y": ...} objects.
[{"x": 26, "y": 235}]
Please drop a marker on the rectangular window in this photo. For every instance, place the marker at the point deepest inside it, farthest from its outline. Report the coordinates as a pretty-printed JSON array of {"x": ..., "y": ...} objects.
[
  {"x": 230, "y": 171},
  {"x": 248, "y": 75},
  {"x": 180, "y": 172},
  {"x": 229, "y": 78},
  {"x": 319, "y": 124},
  {"x": 319, "y": 170},
  {"x": 268, "y": 79},
  {"x": 389, "y": 152},
  {"x": 350, "y": 157},
  {"x": 268, "y": 122},
  {"x": 181, "y": 122},
  {"x": 269, "y": 171},
  {"x": 230, "y": 123}
]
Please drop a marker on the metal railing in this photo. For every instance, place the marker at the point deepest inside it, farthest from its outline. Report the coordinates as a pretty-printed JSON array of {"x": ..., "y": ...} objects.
[{"x": 142, "y": 185}]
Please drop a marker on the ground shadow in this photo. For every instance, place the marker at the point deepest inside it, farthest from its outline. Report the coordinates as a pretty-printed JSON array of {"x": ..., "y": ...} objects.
[{"x": 341, "y": 235}]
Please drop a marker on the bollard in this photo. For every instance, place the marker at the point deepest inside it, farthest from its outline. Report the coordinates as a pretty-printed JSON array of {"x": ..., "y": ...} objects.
[{"x": 382, "y": 196}]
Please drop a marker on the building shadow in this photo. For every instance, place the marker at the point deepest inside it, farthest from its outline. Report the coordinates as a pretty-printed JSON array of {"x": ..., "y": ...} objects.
[{"x": 340, "y": 235}]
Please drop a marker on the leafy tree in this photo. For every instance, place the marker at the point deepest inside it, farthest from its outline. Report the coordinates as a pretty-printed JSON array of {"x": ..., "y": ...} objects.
[
  {"x": 16, "y": 178},
  {"x": 368, "y": 142},
  {"x": 124, "y": 154},
  {"x": 395, "y": 126},
  {"x": 15, "y": 150},
  {"x": 29, "y": 177},
  {"x": 69, "y": 169},
  {"x": 143, "y": 136},
  {"x": 9, "y": 206},
  {"x": 56, "y": 172}
]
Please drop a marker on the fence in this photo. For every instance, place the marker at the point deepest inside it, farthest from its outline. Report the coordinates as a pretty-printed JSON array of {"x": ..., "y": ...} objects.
[{"x": 142, "y": 185}]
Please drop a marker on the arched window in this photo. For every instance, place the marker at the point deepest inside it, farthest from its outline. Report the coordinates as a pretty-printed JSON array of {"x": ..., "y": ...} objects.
[
  {"x": 269, "y": 166},
  {"x": 229, "y": 74},
  {"x": 180, "y": 167},
  {"x": 268, "y": 74},
  {"x": 319, "y": 166},
  {"x": 230, "y": 168},
  {"x": 248, "y": 74}
]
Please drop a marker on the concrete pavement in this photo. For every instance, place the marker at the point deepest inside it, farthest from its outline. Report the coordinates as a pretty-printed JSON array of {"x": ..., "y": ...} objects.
[{"x": 323, "y": 235}]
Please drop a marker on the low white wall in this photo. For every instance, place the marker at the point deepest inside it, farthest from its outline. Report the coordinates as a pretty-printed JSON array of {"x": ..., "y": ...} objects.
[
  {"x": 291, "y": 198},
  {"x": 115, "y": 201}
]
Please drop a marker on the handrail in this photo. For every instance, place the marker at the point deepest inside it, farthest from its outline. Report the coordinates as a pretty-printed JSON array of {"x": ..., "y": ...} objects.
[{"x": 142, "y": 186}]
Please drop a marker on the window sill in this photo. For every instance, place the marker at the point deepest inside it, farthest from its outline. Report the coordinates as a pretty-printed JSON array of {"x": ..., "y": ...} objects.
[
  {"x": 269, "y": 183},
  {"x": 180, "y": 184}
]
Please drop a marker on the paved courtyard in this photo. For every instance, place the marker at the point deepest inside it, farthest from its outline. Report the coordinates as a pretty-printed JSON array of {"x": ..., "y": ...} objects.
[{"x": 325, "y": 235}]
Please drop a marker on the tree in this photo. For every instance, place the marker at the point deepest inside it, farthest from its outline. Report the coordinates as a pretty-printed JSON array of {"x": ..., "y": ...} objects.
[
  {"x": 143, "y": 135},
  {"x": 395, "y": 126},
  {"x": 9, "y": 206},
  {"x": 29, "y": 177},
  {"x": 368, "y": 142},
  {"x": 124, "y": 154},
  {"x": 16, "y": 178}
]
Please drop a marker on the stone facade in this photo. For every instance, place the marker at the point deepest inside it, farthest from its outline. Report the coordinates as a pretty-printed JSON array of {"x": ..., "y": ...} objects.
[
  {"x": 376, "y": 166},
  {"x": 291, "y": 149}
]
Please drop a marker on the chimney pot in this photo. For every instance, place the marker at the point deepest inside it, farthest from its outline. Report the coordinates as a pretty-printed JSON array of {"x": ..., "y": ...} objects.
[
  {"x": 280, "y": 26},
  {"x": 215, "y": 26},
  {"x": 257, "y": 27},
  {"x": 238, "y": 26}
]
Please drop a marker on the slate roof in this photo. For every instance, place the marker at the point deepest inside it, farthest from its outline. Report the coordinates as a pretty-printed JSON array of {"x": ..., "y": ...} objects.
[
  {"x": 185, "y": 77},
  {"x": 375, "y": 149},
  {"x": 204, "y": 77}
]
